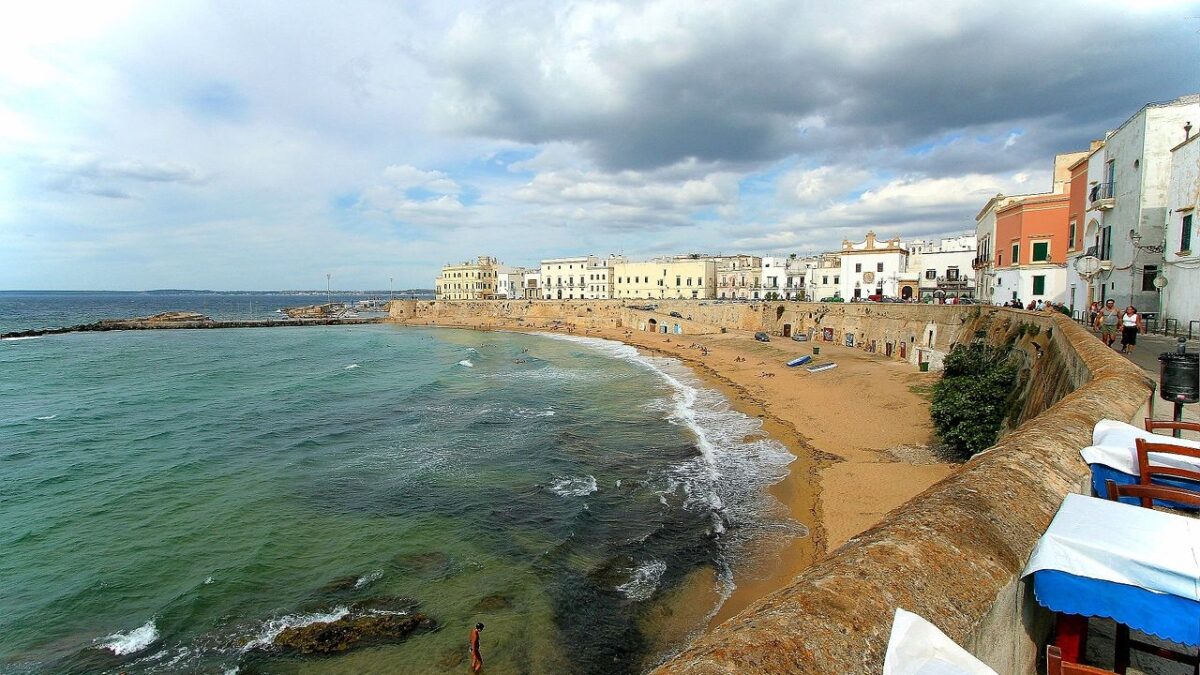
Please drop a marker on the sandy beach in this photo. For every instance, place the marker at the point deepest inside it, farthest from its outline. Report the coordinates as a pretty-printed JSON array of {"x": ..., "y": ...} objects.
[{"x": 860, "y": 433}]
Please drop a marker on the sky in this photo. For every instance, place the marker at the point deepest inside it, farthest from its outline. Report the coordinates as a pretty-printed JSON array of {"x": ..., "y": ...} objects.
[{"x": 263, "y": 145}]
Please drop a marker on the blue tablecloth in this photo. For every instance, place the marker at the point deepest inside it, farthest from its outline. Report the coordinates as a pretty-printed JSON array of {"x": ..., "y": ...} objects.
[
  {"x": 1166, "y": 616},
  {"x": 1102, "y": 473}
]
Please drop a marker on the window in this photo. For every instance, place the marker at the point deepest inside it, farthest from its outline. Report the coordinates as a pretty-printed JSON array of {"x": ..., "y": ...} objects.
[
  {"x": 825, "y": 280},
  {"x": 952, "y": 274},
  {"x": 1148, "y": 274},
  {"x": 931, "y": 274},
  {"x": 878, "y": 267},
  {"x": 1041, "y": 251},
  {"x": 1185, "y": 236},
  {"x": 836, "y": 280},
  {"x": 858, "y": 292},
  {"x": 1039, "y": 284},
  {"x": 857, "y": 267},
  {"x": 1016, "y": 254},
  {"x": 999, "y": 260},
  {"x": 1071, "y": 237}
]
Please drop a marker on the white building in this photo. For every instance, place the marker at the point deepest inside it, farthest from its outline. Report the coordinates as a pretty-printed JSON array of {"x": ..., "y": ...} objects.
[
  {"x": 782, "y": 278},
  {"x": 871, "y": 269},
  {"x": 944, "y": 266},
  {"x": 824, "y": 277},
  {"x": 1181, "y": 295},
  {"x": 566, "y": 278},
  {"x": 510, "y": 282},
  {"x": 600, "y": 278},
  {"x": 1127, "y": 208},
  {"x": 532, "y": 286}
]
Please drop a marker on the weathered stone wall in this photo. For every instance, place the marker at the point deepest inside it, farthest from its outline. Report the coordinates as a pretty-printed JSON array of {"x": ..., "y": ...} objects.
[
  {"x": 926, "y": 331},
  {"x": 952, "y": 554}
]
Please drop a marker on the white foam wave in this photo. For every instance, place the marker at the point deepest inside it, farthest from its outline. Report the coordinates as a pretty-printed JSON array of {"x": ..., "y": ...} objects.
[
  {"x": 272, "y": 628},
  {"x": 467, "y": 363},
  {"x": 530, "y": 412},
  {"x": 727, "y": 479},
  {"x": 352, "y": 366},
  {"x": 132, "y": 642},
  {"x": 643, "y": 580},
  {"x": 368, "y": 579},
  {"x": 47, "y": 417},
  {"x": 24, "y": 337},
  {"x": 208, "y": 580},
  {"x": 574, "y": 487}
]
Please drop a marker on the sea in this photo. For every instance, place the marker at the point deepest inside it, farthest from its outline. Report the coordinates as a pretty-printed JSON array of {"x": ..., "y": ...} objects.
[{"x": 171, "y": 501}]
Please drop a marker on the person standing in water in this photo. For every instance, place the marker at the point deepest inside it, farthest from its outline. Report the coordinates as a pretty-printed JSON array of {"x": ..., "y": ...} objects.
[{"x": 476, "y": 657}]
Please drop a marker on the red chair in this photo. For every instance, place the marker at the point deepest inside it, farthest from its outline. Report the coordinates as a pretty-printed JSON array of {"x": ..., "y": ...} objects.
[{"x": 1056, "y": 666}]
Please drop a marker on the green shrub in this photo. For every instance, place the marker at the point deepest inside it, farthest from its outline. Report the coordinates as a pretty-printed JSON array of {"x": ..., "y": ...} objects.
[{"x": 971, "y": 399}]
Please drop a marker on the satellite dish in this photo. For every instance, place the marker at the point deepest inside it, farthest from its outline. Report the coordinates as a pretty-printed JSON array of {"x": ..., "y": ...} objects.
[
  {"x": 1160, "y": 282},
  {"x": 1088, "y": 265}
]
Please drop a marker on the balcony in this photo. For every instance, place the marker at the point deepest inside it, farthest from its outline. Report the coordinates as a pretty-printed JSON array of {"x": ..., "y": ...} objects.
[
  {"x": 1102, "y": 197},
  {"x": 980, "y": 263}
]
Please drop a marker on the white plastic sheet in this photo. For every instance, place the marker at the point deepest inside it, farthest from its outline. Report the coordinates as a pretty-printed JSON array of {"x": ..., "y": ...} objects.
[{"x": 917, "y": 647}]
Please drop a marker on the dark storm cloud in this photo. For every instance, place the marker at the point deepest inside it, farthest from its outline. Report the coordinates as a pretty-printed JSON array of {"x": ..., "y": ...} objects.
[{"x": 652, "y": 84}]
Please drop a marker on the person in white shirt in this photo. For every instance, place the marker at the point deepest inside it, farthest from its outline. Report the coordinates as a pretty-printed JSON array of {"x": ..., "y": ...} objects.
[{"x": 1131, "y": 325}]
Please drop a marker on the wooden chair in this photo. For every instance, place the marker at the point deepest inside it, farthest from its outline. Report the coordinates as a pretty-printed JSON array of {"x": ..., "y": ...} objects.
[
  {"x": 1148, "y": 493},
  {"x": 1146, "y": 471},
  {"x": 1153, "y": 425},
  {"x": 1056, "y": 666}
]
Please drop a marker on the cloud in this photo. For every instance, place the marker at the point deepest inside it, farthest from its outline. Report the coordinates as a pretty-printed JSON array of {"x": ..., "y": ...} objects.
[{"x": 650, "y": 84}]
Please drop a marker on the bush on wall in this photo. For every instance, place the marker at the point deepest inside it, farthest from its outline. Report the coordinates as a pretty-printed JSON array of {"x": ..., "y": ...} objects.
[{"x": 971, "y": 399}]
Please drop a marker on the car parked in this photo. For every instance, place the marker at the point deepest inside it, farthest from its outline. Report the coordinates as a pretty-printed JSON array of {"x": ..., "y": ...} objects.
[
  {"x": 762, "y": 337},
  {"x": 677, "y": 315}
]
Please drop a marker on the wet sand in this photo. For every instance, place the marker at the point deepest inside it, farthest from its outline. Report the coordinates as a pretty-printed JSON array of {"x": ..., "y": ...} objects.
[{"x": 859, "y": 433}]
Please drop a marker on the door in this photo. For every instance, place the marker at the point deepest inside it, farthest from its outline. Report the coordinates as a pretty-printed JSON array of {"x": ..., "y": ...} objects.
[{"x": 787, "y": 330}]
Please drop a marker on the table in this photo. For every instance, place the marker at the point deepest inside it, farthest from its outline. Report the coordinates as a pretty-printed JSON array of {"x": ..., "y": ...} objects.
[
  {"x": 1113, "y": 456},
  {"x": 1137, "y": 566}
]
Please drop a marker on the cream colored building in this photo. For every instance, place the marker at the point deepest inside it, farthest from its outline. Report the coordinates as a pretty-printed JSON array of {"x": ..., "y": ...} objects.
[
  {"x": 665, "y": 279},
  {"x": 468, "y": 280},
  {"x": 739, "y": 277}
]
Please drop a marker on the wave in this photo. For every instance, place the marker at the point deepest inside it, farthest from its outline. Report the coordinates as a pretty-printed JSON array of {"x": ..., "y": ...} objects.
[
  {"x": 467, "y": 363},
  {"x": 728, "y": 478},
  {"x": 273, "y": 627},
  {"x": 368, "y": 579},
  {"x": 574, "y": 487},
  {"x": 23, "y": 337},
  {"x": 47, "y": 417},
  {"x": 352, "y": 366},
  {"x": 643, "y": 580},
  {"x": 123, "y": 644}
]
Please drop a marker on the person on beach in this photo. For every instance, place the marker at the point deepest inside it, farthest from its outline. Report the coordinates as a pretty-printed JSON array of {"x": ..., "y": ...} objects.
[
  {"x": 1131, "y": 325},
  {"x": 476, "y": 657},
  {"x": 1107, "y": 321}
]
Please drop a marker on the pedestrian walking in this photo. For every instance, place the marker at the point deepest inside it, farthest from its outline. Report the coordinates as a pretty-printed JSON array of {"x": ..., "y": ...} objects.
[
  {"x": 1131, "y": 325},
  {"x": 1107, "y": 321}
]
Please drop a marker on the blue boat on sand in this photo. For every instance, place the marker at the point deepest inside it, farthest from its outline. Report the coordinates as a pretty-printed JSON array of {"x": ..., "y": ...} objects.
[{"x": 799, "y": 361}]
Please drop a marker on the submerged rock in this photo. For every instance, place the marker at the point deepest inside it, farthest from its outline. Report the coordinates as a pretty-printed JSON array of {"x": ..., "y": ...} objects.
[
  {"x": 493, "y": 603},
  {"x": 350, "y": 632}
]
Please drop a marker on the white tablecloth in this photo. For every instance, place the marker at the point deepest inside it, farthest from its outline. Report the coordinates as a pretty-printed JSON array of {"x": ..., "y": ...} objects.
[
  {"x": 917, "y": 647},
  {"x": 1114, "y": 445},
  {"x": 1098, "y": 539}
]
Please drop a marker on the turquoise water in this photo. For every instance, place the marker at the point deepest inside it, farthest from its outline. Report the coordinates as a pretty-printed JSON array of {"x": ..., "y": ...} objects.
[{"x": 170, "y": 500}]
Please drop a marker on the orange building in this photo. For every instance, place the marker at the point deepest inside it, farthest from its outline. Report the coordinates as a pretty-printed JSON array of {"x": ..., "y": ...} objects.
[{"x": 1032, "y": 238}]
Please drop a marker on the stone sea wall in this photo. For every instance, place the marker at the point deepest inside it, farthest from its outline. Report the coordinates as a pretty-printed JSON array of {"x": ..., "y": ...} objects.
[{"x": 954, "y": 553}]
